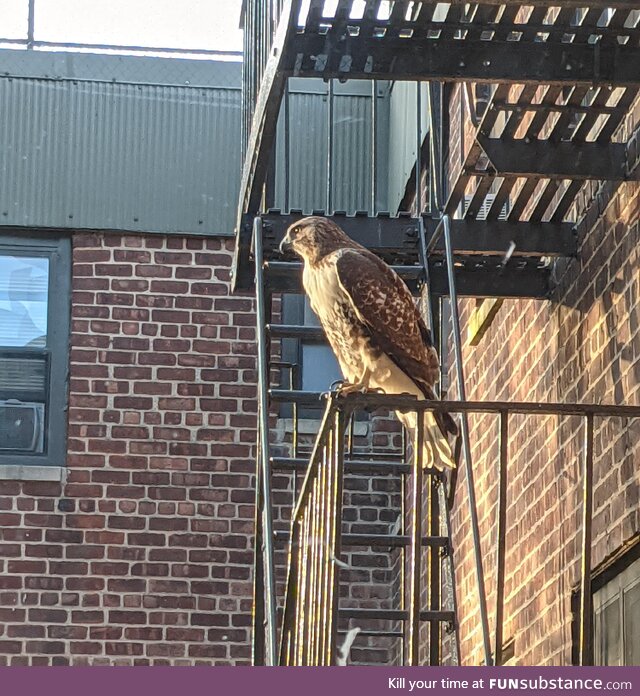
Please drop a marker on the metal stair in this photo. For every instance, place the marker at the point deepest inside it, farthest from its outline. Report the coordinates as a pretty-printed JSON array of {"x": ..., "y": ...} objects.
[{"x": 562, "y": 75}]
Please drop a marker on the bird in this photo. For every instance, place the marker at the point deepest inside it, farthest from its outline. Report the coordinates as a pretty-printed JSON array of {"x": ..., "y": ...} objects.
[{"x": 372, "y": 324}]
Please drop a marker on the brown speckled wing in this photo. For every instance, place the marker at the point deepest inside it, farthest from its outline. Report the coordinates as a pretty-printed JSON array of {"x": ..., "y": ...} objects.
[{"x": 386, "y": 306}]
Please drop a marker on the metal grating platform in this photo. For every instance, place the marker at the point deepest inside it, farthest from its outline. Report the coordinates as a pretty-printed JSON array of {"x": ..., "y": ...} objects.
[
  {"x": 567, "y": 41},
  {"x": 535, "y": 148}
]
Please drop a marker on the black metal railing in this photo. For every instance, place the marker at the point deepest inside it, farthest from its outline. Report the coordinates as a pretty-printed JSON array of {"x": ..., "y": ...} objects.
[
  {"x": 311, "y": 604},
  {"x": 310, "y": 611}
]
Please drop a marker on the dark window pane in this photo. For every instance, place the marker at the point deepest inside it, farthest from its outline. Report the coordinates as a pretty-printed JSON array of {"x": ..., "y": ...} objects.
[
  {"x": 24, "y": 283},
  {"x": 610, "y": 634},
  {"x": 632, "y": 625},
  {"x": 319, "y": 367}
]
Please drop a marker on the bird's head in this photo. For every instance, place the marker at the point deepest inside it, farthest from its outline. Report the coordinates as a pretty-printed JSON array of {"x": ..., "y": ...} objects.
[{"x": 312, "y": 238}]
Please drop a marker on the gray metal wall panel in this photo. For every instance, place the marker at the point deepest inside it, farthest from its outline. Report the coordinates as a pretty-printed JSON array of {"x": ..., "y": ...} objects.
[
  {"x": 402, "y": 136},
  {"x": 308, "y": 158},
  {"x": 118, "y": 156}
]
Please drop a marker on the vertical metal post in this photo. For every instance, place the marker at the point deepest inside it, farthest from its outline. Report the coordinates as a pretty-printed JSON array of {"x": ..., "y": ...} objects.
[
  {"x": 329, "y": 146},
  {"x": 434, "y": 143},
  {"x": 416, "y": 542},
  {"x": 586, "y": 653},
  {"x": 287, "y": 147},
  {"x": 336, "y": 497},
  {"x": 31, "y": 23},
  {"x": 501, "y": 534},
  {"x": 418, "y": 183},
  {"x": 263, "y": 427},
  {"x": 435, "y": 574},
  {"x": 374, "y": 146},
  {"x": 466, "y": 445}
]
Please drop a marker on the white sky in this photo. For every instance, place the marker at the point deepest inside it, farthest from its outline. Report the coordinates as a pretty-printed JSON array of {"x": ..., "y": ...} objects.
[{"x": 195, "y": 24}]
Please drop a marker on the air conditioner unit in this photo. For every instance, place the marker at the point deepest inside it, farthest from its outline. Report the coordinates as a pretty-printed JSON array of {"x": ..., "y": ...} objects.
[{"x": 21, "y": 426}]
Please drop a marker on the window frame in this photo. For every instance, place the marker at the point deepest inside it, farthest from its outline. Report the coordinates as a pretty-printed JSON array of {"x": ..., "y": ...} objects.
[
  {"x": 57, "y": 249},
  {"x": 614, "y": 591}
]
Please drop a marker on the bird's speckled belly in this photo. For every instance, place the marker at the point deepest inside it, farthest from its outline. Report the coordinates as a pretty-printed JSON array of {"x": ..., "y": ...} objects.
[{"x": 347, "y": 335}]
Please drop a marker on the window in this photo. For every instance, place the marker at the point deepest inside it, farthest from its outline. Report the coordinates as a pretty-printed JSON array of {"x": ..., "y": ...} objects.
[
  {"x": 34, "y": 337},
  {"x": 309, "y": 363},
  {"x": 617, "y": 619}
]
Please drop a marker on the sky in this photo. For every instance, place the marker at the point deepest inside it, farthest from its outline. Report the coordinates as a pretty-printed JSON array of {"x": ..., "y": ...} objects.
[{"x": 195, "y": 24}]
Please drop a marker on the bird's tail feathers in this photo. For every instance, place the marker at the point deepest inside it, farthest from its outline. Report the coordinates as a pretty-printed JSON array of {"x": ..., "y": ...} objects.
[{"x": 436, "y": 451}]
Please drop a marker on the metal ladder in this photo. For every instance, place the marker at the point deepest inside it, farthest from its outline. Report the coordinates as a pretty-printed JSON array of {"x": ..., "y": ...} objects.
[{"x": 311, "y": 626}]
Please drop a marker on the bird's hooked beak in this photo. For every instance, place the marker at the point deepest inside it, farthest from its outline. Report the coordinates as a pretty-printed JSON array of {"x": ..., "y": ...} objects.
[{"x": 285, "y": 245}]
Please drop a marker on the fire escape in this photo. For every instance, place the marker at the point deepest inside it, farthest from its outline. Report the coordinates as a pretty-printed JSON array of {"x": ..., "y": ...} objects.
[{"x": 560, "y": 77}]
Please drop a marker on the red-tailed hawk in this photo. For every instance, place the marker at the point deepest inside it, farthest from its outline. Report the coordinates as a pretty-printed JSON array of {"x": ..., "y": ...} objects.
[{"x": 372, "y": 324}]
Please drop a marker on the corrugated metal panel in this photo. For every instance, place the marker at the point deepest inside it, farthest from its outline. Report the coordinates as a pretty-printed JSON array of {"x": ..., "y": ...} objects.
[
  {"x": 308, "y": 158},
  {"x": 403, "y": 136},
  {"x": 119, "y": 156}
]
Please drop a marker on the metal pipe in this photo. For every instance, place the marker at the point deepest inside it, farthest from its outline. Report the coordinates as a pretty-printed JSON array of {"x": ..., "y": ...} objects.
[
  {"x": 418, "y": 184},
  {"x": 410, "y": 403},
  {"x": 586, "y": 656},
  {"x": 263, "y": 426},
  {"x": 286, "y": 162},
  {"x": 466, "y": 446},
  {"x": 435, "y": 573},
  {"x": 434, "y": 169},
  {"x": 336, "y": 530},
  {"x": 501, "y": 534},
  {"x": 444, "y": 509},
  {"x": 374, "y": 147},
  {"x": 416, "y": 538},
  {"x": 31, "y": 21},
  {"x": 329, "y": 145}
]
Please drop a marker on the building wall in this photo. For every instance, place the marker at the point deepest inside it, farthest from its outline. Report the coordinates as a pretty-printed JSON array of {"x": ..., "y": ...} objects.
[
  {"x": 579, "y": 346},
  {"x": 143, "y": 555},
  {"x": 119, "y": 142}
]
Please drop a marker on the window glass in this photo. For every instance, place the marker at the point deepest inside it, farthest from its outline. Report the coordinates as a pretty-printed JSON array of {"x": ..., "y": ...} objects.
[
  {"x": 632, "y": 625},
  {"x": 13, "y": 16},
  {"x": 319, "y": 367},
  {"x": 610, "y": 648},
  {"x": 24, "y": 285}
]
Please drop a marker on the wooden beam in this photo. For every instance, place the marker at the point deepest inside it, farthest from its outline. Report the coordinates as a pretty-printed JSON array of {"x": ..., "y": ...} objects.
[
  {"x": 464, "y": 60},
  {"x": 565, "y": 160}
]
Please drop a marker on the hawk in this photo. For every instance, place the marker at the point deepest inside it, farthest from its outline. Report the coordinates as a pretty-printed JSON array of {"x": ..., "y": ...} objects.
[{"x": 372, "y": 324}]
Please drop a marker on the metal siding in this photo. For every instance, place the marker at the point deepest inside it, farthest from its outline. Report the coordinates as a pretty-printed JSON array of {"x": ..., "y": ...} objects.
[
  {"x": 88, "y": 154},
  {"x": 308, "y": 130},
  {"x": 402, "y": 137}
]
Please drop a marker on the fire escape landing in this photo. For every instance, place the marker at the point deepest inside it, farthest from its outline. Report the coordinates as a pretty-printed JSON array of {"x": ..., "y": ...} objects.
[{"x": 561, "y": 77}]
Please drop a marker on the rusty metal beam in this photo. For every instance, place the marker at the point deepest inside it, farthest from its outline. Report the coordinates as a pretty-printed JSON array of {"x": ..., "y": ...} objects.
[
  {"x": 564, "y": 160},
  {"x": 458, "y": 60}
]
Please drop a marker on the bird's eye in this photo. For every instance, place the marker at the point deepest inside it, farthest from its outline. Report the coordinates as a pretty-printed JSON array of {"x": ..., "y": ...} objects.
[{"x": 296, "y": 230}]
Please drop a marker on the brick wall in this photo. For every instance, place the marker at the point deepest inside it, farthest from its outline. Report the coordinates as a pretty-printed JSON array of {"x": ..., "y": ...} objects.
[
  {"x": 144, "y": 555},
  {"x": 581, "y": 345}
]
